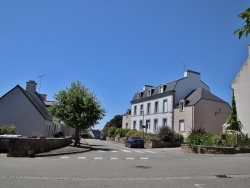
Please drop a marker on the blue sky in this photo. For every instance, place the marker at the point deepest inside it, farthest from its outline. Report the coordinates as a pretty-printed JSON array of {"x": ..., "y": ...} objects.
[{"x": 115, "y": 47}]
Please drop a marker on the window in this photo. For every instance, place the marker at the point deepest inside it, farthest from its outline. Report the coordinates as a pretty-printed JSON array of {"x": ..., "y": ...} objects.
[
  {"x": 181, "y": 125},
  {"x": 147, "y": 124},
  {"x": 156, "y": 125},
  {"x": 135, "y": 109},
  {"x": 149, "y": 92},
  {"x": 126, "y": 125},
  {"x": 140, "y": 94},
  {"x": 140, "y": 128},
  {"x": 164, "y": 122},
  {"x": 156, "y": 107},
  {"x": 141, "y": 109},
  {"x": 134, "y": 124},
  {"x": 165, "y": 106},
  {"x": 181, "y": 106},
  {"x": 161, "y": 89},
  {"x": 148, "y": 108}
]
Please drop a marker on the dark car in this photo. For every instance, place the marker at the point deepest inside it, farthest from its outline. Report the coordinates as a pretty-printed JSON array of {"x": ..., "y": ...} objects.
[
  {"x": 97, "y": 137},
  {"x": 134, "y": 141},
  {"x": 103, "y": 138}
]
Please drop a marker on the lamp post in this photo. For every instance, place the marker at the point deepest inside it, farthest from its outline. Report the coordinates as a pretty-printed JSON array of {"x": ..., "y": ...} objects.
[{"x": 143, "y": 126}]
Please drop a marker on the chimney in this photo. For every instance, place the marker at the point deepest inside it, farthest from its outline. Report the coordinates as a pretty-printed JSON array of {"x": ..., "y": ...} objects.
[
  {"x": 189, "y": 73},
  {"x": 44, "y": 96},
  {"x": 147, "y": 87},
  {"x": 31, "y": 86}
]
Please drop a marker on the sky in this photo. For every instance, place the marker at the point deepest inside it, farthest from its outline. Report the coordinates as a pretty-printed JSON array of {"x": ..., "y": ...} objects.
[{"x": 115, "y": 47}]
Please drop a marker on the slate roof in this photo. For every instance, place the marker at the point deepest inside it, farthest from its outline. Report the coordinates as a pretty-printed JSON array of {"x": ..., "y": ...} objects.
[
  {"x": 198, "y": 94},
  {"x": 156, "y": 90},
  {"x": 33, "y": 101}
]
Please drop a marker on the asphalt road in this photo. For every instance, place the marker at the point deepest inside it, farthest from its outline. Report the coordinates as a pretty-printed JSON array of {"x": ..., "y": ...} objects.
[{"x": 111, "y": 164}]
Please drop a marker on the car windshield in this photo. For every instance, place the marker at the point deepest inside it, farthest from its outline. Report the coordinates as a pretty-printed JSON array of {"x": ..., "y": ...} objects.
[{"x": 136, "y": 138}]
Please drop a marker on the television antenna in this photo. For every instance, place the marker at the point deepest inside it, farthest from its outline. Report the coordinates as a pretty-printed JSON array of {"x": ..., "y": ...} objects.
[
  {"x": 184, "y": 66},
  {"x": 41, "y": 81}
]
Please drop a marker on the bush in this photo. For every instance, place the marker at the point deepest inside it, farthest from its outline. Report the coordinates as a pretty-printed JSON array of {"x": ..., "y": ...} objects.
[
  {"x": 133, "y": 133},
  {"x": 196, "y": 139},
  {"x": 178, "y": 137},
  {"x": 166, "y": 134},
  {"x": 120, "y": 133},
  {"x": 58, "y": 135},
  {"x": 199, "y": 130},
  {"x": 8, "y": 130},
  {"x": 151, "y": 137}
]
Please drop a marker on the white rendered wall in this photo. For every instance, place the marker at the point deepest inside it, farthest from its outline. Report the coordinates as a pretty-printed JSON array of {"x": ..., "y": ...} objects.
[{"x": 152, "y": 116}]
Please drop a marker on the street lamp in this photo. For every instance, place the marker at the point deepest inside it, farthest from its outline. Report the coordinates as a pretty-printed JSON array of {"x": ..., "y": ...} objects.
[{"x": 143, "y": 126}]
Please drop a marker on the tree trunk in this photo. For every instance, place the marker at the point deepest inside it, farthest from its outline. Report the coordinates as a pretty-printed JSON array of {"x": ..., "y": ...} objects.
[{"x": 77, "y": 138}]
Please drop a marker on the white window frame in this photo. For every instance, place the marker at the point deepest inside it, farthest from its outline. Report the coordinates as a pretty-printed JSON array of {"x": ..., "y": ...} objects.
[
  {"x": 135, "y": 110},
  {"x": 156, "y": 107},
  {"x": 141, "y": 109},
  {"x": 134, "y": 125},
  {"x": 164, "y": 120},
  {"x": 182, "y": 125},
  {"x": 148, "y": 108},
  {"x": 165, "y": 105},
  {"x": 156, "y": 127}
]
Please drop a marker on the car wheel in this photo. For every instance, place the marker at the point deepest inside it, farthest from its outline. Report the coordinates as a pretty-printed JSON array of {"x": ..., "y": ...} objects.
[
  {"x": 125, "y": 145},
  {"x": 129, "y": 145}
]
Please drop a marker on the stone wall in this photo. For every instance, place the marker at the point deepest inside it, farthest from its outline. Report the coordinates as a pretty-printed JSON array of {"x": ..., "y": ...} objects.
[
  {"x": 25, "y": 147},
  {"x": 159, "y": 144},
  {"x": 185, "y": 148}
]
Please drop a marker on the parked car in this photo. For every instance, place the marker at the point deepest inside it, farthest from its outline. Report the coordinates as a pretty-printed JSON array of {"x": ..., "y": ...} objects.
[
  {"x": 97, "y": 137},
  {"x": 134, "y": 141}
]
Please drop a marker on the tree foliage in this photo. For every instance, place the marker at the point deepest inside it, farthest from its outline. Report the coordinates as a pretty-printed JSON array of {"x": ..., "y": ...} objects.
[
  {"x": 8, "y": 130},
  {"x": 233, "y": 121},
  {"x": 77, "y": 107},
  {"x": 116, "y": 121},
  {"x": 245, "y": 30}
]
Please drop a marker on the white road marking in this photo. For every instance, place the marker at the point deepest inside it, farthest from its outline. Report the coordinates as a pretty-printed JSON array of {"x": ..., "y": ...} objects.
[
  {"x": 113, "y": 158},
  {"x": 114, "y": 151},
  {"x": 97, "y": 158},
  {"x": 144, "y": 158},
  {"x": 64, "y": 157},
  {"x": 81, "y": 158},
  {"x": 138, "y": 151},
  {"x": 130, "y": 158},
  {"x": 150, "y": 151},
  {"x": 126, "y": 151}
]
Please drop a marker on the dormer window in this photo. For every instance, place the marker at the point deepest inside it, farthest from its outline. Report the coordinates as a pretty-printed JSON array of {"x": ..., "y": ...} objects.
[
  {"x": 150, "y": 92},
  {"x": 140, "y": 94},
  {"x": 162, "y": 88}
]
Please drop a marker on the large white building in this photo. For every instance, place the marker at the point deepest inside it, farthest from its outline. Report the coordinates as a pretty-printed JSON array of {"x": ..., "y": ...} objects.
[
  {"x": 241, "y": 87},
  {"x": 154, "y": 105}
]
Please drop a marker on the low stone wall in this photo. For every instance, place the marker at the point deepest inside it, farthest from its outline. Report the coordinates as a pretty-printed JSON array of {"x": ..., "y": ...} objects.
[
  {"x": 25, "y": 147},
  {"x": 160, "y": 144},
  {"x": 185, "y": 148}
]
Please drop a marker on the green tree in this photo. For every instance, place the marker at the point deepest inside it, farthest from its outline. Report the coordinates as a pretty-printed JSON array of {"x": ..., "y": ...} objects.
[
  {"x": 77, "y": 107},
  {"x": 233, "y": 121},
  {"x": 245, "y": 30},
  {"x": 116, "y": 121}
]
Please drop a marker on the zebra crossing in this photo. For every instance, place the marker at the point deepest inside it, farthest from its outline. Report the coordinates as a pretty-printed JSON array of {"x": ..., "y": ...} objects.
[
  {"x": 111, "y": 158},
  {"x": 128, "y": 158},
  {"x": 127, "y": 151}
]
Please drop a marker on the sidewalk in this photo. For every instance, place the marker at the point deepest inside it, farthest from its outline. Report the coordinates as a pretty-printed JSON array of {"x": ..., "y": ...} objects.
[{"x": 71, "y": 149}]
